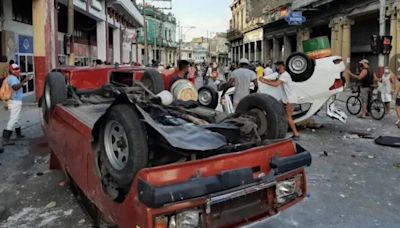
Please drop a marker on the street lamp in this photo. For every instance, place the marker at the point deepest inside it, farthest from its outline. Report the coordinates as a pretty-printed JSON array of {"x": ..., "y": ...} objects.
[{"x": 180, "y": 37}]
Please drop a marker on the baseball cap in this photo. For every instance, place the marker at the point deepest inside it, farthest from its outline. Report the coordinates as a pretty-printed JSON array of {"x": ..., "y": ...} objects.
[
  {"x": 244, "y": 61},
  {"x": 364, "y": 61},
  {"x": 15, "y": 69},
  {"x": 14, "y": 66}
]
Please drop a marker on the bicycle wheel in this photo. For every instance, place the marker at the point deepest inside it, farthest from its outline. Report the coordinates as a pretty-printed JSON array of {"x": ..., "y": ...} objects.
[
  {"x": 377, "y": 109},
  {"x": 353, "y": 105}
]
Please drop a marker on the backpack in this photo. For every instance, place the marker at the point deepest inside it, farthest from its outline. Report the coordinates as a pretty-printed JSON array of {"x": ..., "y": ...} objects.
[{"x": 5, "y": 91}]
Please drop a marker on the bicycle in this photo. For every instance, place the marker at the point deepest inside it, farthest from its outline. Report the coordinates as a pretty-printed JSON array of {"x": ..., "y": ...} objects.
[{"x": 375, "y": 107}]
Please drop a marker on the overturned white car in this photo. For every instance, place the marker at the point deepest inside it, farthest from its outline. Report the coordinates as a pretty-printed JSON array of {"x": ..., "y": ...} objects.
[{"x": 316, "y": 82}]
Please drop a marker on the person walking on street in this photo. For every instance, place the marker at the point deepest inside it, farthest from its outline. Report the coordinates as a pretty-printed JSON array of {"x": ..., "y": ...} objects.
[
  {"x": 241, "y": 78},
  {"x": 388, "y": 80},
  {"x": 14, "y": 104},
  {"x": 366, "y": 77},
  {"x": 290, "y": 98}
]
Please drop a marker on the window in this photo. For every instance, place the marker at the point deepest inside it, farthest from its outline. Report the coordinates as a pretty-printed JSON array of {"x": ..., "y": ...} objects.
[
  {"x": 190, "y": 55},
  {"x": 22, "y": 11},
  {"x": 142, "y": 51},
  {"x": 26, "y": 65}
]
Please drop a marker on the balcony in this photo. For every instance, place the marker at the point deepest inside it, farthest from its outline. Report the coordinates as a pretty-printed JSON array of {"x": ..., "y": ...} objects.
[
  {"x": 127, "y": 8},
  {"x": 234, "y": 34}
]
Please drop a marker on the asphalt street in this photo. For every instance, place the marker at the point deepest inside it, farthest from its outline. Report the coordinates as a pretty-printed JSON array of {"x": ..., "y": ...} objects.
[{"x": 352, "y": 182}]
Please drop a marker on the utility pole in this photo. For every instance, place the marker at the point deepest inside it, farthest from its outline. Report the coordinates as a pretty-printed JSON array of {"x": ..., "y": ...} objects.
[
  {"x": 383, "y": 60},
  {"x": 146, "y": 47},
  {"x": 71, "y": 56}
]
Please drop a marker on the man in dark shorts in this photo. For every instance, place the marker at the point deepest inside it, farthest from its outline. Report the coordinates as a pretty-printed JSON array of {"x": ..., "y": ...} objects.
[
  {"x": 183, "y": 69},
  {"x": 366, "y": 77},
  {"x": 397, "y": 96}
]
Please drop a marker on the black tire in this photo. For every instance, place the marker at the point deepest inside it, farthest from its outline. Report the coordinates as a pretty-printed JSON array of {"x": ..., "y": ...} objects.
[
  {"x": 55, "y": 92},
  {"x": 153, "y": 80},
  {"x": 353, "y": 105},
  {"x": 377, "y": 109},
  {"x": 300, "y": 67},
  {"x": 208, "y": 97},
  {"x": 132, "y": 139},
  {"x": 273, "y": 123}
]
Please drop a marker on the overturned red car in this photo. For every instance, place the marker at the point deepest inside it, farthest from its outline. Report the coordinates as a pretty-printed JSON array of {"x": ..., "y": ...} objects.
[{"x": 137, "y": 161}]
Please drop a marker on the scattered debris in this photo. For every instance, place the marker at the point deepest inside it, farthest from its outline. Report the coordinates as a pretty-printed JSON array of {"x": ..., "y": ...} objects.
[
  {"x": 324, "y": 154},
  {"x": 397, "y": 165},
  {"x": 351, "y": 136},
  {"x": 371, "y": 156},
  {"x": 63, "y": 183},
  {"x": 81, "y": 221},
  {"x": 68, "y": 213},
  {"x": 51, "y": 204},
  {"x": 39, "y": 174},
  {"x": 343, "y": 196}
]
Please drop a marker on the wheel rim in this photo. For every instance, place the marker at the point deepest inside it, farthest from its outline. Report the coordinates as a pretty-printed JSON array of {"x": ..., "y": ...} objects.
[
  {"x": 116, "y": 145},
  {"x": 377, "y": 110},
  {"x": 298, "y": 65},
  {"x": 205, "y": 97},
  {"x": 353, "y": 105},
  {"x": 261, "y": 122}
]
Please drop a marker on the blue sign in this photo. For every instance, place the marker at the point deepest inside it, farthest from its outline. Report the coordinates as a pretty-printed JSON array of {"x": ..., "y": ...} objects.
[
  {"x": 25, "y": 44},
  {"x": 295, "y": 18}
]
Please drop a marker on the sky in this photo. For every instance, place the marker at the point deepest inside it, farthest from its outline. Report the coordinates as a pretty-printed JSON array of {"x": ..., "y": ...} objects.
[{"x": 206, "y": 15}]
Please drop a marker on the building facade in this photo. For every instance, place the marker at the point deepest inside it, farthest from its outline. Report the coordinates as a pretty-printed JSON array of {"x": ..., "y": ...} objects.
[
  {"x": 101, "y": 31},
  {"x": 161, "y": 37},
  {"x": 259, "y": 31},
  {"x": 219, "y": 49}
]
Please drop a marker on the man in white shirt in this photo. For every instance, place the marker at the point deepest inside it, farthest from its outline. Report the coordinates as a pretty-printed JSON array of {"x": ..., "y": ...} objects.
[
  {"x": 289, "y": 98},
  {"x": 241, "y": 78}
]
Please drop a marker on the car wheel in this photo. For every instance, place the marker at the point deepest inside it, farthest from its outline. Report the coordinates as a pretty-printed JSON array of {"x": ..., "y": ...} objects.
[
  {"x": 153, "y": 80},
  {"x": 208, "y": 97},
  {"x": 300, "y": 67},
  {"x": 270, "y": 116},
  {"x": 55, "y": 92},
  {"x": 124, "y": 151},
  {"x": 353, "y": 105}
]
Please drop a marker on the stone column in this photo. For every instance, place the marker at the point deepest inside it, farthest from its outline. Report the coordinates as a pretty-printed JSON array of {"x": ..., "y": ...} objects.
[
  {"x": 302, "y": 35},
  {"x": 393, "y": 33},
  {"x": 256, "y": 51},
  {"x": 346, "y": 43},
  {"x": 101, "y": 36},
  {"x": 116, "y": 45},
  {"x": 287, "y": 47},
  {"x": 244, "y": 51},
  {"x": 44, "y": 42},
  {"x": 336, "y": 26},
  {"x": 262, "y": 55},
  {"x": 275, "y": 49},
  {"x": 266, "y": 51},
  {"x": 332, "y": 26}
]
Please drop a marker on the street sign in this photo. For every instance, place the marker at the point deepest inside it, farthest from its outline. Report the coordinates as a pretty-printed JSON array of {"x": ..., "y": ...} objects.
[{"x": 295, "y": 18}]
